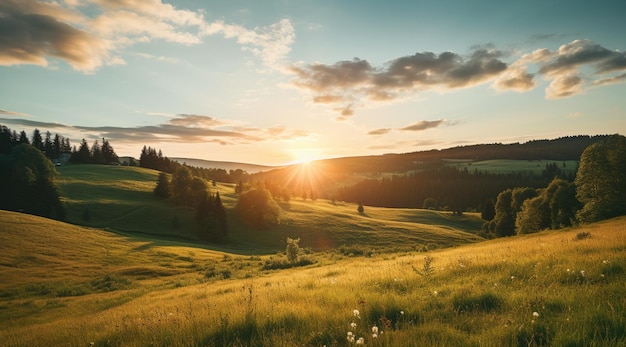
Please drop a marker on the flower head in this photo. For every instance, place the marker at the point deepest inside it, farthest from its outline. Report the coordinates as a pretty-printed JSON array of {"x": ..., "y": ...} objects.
[
  {"x": 360, "y": 341},
  {"x": 353, "y": 325},
  {"x": 357, "y": 313},
  {"x": 375, "y": 329},
  {"x": 535, "y": 314}
]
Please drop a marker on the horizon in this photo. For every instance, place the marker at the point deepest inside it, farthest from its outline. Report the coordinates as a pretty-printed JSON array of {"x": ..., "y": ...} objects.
[{"x": 277, "y": 83}]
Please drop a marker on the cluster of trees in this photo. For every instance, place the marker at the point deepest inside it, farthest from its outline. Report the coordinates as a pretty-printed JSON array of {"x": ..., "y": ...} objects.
[
  {"x": 98, "y": 154},
  {"x": 257, "y": 208},
  {"x": 51, "y": 146},
  {"x": 192, "y": 191},
  {"x": 27, "y": 183},
  {"x": 598, "y": 192},
  {"x": 441, "y": 187}
]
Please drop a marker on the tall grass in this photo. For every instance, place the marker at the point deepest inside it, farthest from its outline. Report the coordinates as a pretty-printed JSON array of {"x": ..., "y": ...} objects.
[{"x": 542, "y": 289}]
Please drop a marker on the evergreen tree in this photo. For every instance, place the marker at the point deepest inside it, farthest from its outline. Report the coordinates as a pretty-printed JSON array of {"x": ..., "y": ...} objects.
[
  {"x": 57, "y": 146},
  {"x": 24, "y": 138},
  {"x": 48, "y": 146},
  {"x": 601, "y": 180},
  {"x": 108, "y": 154},
  {"x": 96, "y": 153},
  {"x": 162, "y": 188},
  {"x": 37, "y": 141},
  {"x": 83, "y": 155}
]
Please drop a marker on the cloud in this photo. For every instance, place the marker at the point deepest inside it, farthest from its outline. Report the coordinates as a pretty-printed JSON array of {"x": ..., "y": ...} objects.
[
  {"x": 13, "y": 113},
  {"x": 349, "y": 84},
  {"x": 349, "y": 80},
  {"x": 92, "y": 33},
  {"x": 379, "y": 131},
  {"x": 181, "y": 128},
  {"x": 564, "y": 85},
  {"x": 423, "y": 125},
  {"x": 29, "y": 33}
]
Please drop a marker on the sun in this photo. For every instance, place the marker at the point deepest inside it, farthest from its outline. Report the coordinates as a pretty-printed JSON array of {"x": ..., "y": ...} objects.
[{"x": 304, "y": 155}]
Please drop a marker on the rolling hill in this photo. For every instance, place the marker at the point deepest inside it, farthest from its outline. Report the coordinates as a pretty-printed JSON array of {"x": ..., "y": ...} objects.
[
  {"x": 69, "y": 285},
  {"x": 120, "y": 199}
]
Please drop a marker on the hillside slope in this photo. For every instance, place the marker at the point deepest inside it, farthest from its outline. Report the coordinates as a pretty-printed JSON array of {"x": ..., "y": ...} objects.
[
  {"x": 68, "y": 285},
  {"x": 121, "y": 199}
]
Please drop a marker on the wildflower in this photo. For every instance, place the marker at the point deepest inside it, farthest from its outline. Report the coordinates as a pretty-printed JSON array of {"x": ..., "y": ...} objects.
[
  {"x": 353, "y": 325},
  {"x": 605, "y": 262},
  {"x": 512, "y": 277},
  {"x": 535, "y": 314},
  {"x": 375, "y": 329},
  {"x": 360, "y": 341},
  {"x": 582, "y": 273},
  {"x": 435, "y": 293},
  {"x": 357, "y": 313},
  {"x": 374, "y": 336},
  {"x": 350, "y": 337},
  {"x": 401, "y": 313}
]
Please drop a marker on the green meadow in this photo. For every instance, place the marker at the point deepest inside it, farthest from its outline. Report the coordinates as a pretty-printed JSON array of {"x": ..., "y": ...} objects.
[
  {"x": 123, "y": 274},
  {"x": 120, "y": 199}
]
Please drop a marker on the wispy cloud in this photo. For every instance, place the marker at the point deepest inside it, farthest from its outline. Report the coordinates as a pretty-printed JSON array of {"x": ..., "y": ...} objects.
[
  {"x": 423, "y": 125},
  {"x": 349, "y": 84},
  {"x": 13, "y": 113},
  {"x": 90, "y": 34},
  {"x": 182, "y": 128},
  {"x": 382, "y": 131}
]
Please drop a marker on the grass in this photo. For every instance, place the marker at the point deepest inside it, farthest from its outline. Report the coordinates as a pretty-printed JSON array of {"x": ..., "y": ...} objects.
[
  {"x": 508, "y": 165},
  {"x": 120, "y": 199},
  {"x": 69, "y": 285}
]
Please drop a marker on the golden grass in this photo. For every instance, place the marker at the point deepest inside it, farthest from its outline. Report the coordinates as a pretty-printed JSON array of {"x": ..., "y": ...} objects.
[{"x": 482, "y": 294}]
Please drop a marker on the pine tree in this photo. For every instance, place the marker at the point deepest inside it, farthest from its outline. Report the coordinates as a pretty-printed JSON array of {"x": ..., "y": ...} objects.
[{"x": 37, "y": 141}]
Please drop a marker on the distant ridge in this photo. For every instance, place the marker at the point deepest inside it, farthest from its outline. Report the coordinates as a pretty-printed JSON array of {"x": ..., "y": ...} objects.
[{"x": 226, "y": 165}]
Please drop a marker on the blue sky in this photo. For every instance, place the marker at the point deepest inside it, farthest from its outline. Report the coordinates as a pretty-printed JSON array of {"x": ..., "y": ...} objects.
[{"x": 272, "y": 82}]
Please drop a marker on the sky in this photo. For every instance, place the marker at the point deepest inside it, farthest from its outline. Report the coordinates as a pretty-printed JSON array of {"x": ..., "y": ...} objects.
[{"x": 282, "y": 81}]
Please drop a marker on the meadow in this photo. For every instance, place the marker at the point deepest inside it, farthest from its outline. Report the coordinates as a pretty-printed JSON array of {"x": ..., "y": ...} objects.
[
  {"x": 121, "y": 199},
  {"x": 66, "y": 285},
  {"x": 124, "y": 275}
]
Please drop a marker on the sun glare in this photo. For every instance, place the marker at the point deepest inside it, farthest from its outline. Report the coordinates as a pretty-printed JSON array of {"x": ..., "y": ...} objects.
[{"x": 304, "y": 156}]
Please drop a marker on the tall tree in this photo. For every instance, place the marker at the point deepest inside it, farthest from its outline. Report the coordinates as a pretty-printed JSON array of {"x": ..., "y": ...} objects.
[
  {"x": 162, "y": 188},
  {"x": 601, "y": 180},
  {"x": 37, "y": 140}
]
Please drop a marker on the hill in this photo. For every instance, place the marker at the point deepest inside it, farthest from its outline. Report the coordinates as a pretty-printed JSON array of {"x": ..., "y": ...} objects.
[
  {"x": 120, "y": 199},
  {"x": 69, "y": 285},
  {"x": 226, "y": 165}
]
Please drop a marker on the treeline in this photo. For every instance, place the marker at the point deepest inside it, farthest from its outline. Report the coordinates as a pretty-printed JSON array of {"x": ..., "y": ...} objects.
[
  {"x": 154, "y": 159},
  {"x": 442, "y": 188},
  {"x": 560, "y": 149},
  {"x": 97, "y": 154},
  {"x": 598, "y": 193},
  {"x": 51, "y": 146}
]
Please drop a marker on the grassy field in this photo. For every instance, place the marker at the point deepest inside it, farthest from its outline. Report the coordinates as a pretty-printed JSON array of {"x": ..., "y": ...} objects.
[
  {"x": 64, "y": 285},
  {"x": 120, "y": 199},
  {"x": 508, "y": 166}
]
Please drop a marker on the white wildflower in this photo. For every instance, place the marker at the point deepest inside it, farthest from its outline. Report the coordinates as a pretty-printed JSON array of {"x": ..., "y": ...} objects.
[
  {"x": 360, "y": 341},
  {"x": 512, "y": 277},
  {"x": 374, "y": 336},
  {"x": 357, "y": 313},
  {"x": 353, "y": 325},
  {"x": 582, "y": 273},
  {"x": 435, "y": 293},
  {"x": 350, "y": 337},
  {"x": 605, "y": 262},
  {"x": 375, "y": 329},
  {"x": 401, "y": 313},
  {"x": 535, "y": 314}
]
